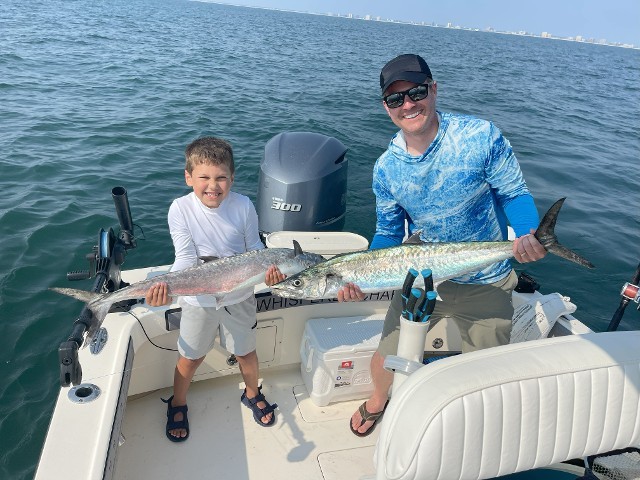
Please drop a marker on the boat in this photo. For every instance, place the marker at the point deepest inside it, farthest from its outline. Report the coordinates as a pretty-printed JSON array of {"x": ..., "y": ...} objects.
[{"x": 560, "y": 406}]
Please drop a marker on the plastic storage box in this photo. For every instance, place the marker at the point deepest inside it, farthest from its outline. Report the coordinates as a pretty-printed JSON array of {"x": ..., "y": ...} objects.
[{"x": 335, "y": 355}]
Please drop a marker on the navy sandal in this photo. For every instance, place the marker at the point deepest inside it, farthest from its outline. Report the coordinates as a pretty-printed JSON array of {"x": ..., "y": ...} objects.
[
  {"x": 174, "y": 425},
  {"x": 258, "y": 412}
]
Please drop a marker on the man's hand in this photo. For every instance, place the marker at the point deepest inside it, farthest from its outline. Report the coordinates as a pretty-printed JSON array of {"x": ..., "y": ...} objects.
[
  {"x": 350, "y": 293},
  {"x": 528, "y": 249}
]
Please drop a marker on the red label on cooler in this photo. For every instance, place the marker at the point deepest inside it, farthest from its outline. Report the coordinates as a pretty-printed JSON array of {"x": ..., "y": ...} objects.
[{"x": 346, "y": 364}]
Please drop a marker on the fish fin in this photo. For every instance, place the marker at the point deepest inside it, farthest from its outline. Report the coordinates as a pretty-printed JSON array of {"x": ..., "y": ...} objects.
[
  {"x": 297, "y": 249},
  {"x": 82, "y": 295},
  {"x": 547, "y": 237},
  {"x": 97, "y": 303},
  {"x": 206, "y": 259},
  {"x": 322, "y": 283},
  {"x": 415, "y": 238},
  {"x": 99, "y": 310}
]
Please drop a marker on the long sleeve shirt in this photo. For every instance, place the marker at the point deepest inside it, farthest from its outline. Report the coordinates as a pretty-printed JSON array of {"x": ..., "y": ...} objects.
[
  {"x": 199, "y": 231},
  {"x": 465, "y": 187}
]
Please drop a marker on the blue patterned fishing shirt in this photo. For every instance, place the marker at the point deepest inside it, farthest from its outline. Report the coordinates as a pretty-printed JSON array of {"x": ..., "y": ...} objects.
[{"x": 466, "y": 187}]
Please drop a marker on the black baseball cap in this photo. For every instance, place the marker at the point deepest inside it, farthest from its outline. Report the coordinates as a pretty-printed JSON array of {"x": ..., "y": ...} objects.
[{"x": 408, "y": 67}]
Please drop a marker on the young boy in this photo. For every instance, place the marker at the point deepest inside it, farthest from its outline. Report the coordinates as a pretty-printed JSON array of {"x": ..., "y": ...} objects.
[{"x": 213, "y": 221}]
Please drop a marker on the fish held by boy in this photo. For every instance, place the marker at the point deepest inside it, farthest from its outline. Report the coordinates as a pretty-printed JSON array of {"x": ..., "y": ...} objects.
[
  {"x": 386, "y": 268},
  {"x": 217, "y": 277}
]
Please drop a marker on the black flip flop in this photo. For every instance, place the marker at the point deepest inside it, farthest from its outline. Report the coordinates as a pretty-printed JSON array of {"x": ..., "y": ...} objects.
[{"x": 366, "y": 417}]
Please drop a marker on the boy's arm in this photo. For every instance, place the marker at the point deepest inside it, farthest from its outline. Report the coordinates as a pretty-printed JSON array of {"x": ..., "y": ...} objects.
[
  {"x": 185, "y": 256},
  {"x": 253, "y": 242},
  {"x": 251, "y": 233},
  {"x": 185, "y": 251}
]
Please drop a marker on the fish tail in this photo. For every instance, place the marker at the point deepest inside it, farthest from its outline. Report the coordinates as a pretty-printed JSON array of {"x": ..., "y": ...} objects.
[
  {"x": 82, "y": 295},
  {"x": 97, "y": 303},
  {"x": 547, "y": 237},
  {"x": 99, "y": 309}
]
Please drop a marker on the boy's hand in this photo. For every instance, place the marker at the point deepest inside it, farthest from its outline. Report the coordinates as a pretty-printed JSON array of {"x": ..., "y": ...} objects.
[
  {"x": 158, "y": 295},
  {"x": 350, "y": 293},
  {"x": 273, "y": 276}
]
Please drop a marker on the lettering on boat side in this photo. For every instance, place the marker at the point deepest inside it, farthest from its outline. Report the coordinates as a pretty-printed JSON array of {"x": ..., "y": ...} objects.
[{"x": 266, "y": 302}]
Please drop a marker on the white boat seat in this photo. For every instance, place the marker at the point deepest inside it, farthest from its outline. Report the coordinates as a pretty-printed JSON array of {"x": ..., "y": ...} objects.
[{"x": 513, "y": 408}]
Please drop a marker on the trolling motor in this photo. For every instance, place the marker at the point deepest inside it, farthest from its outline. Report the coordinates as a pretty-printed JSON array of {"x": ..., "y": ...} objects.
[
  {"x": 630, "y": 292},
  {"x": 104, "y": 265}
]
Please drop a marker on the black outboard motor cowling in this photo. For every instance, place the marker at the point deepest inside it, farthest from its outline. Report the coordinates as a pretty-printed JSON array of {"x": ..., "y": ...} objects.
[{"x": 303, "y": 183}]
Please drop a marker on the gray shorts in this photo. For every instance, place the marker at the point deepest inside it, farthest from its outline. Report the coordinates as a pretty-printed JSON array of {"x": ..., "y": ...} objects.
[
  {"x": 482, "y": 313},
  {"x": 199, "y": 326}
]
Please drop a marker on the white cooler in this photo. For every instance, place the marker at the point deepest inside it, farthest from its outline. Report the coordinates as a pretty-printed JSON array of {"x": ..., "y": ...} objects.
[{"x": 335, "y": 357}]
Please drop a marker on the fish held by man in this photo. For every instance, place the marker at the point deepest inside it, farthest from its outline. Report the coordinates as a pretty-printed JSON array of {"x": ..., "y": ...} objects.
[
  {"x": 386, "y": 268},
  {"x": 218, "y": 278}
]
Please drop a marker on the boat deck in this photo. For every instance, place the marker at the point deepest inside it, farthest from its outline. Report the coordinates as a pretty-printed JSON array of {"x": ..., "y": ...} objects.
[{"x": 306, "y": 442}]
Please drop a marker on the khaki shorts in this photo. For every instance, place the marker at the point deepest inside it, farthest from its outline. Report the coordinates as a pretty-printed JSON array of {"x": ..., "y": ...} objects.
[
  {"x": 482, "y": 313},
  {"x": 199, "y": 326}
]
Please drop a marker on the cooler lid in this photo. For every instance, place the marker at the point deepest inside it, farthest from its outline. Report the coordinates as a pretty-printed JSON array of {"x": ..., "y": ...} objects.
[
  {"x": 350, "y": 334},
  {"x": 323, "y": 243}
]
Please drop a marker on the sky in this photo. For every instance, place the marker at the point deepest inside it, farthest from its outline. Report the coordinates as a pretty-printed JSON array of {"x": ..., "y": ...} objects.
[{"x": 617, "y": 21}]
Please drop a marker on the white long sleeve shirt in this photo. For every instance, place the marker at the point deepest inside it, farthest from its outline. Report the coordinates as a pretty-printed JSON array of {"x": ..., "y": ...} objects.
[{"x": 200, "y": 231}]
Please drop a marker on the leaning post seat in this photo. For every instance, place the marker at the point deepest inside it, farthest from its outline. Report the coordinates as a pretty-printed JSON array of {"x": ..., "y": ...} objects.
[{"x": 513, "y": 408}]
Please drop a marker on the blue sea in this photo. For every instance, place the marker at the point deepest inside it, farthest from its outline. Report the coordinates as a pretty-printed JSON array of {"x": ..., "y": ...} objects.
[{"x": 97, "y": 94}]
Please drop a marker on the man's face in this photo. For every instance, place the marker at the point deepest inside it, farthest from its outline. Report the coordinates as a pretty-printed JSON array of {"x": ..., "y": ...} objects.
[{"x": 412, "y": 117}]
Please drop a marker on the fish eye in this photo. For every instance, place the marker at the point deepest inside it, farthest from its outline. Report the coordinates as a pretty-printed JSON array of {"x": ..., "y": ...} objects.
[{"x": 297, "y": 282}]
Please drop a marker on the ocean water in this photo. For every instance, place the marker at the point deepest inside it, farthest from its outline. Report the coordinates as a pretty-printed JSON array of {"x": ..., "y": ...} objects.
[{"x": 99, "y": 94}]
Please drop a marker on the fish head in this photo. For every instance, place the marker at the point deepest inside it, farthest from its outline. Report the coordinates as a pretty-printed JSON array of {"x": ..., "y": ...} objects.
[{"x": 306, "y": 284}]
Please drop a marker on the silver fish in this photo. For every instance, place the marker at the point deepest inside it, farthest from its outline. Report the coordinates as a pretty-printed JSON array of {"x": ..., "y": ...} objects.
[
  {"x": 217, "y": 278},
  {"x": 386, "y": 268}
]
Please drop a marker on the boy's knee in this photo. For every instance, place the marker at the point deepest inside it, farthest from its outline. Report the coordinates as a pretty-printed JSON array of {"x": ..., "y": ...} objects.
[
  {"x": 190, "y": 362},
  {"x": 246, "y": 356}
]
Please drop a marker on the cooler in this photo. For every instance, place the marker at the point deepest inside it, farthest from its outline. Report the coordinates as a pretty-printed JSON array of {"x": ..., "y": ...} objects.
[{"x": 335, "y": 357}]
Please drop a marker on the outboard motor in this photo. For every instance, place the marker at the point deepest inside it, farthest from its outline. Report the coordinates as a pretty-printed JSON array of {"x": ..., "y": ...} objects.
[{"x": 303, "y": 183}]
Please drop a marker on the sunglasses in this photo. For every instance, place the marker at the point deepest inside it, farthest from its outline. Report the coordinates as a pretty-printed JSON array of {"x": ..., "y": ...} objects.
[{"x": 396, "y": 100}]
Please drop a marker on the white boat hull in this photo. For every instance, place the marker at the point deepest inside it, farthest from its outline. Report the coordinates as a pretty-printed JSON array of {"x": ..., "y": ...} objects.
[{"x": 120, "y": 434}]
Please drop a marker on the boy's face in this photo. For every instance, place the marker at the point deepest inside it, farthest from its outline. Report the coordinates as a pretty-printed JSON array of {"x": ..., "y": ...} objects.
[{"x": 211, "y": 183}]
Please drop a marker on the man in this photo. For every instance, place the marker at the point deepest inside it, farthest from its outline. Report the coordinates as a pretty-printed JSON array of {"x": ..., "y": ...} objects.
[{"x": 453, "y": 178}]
